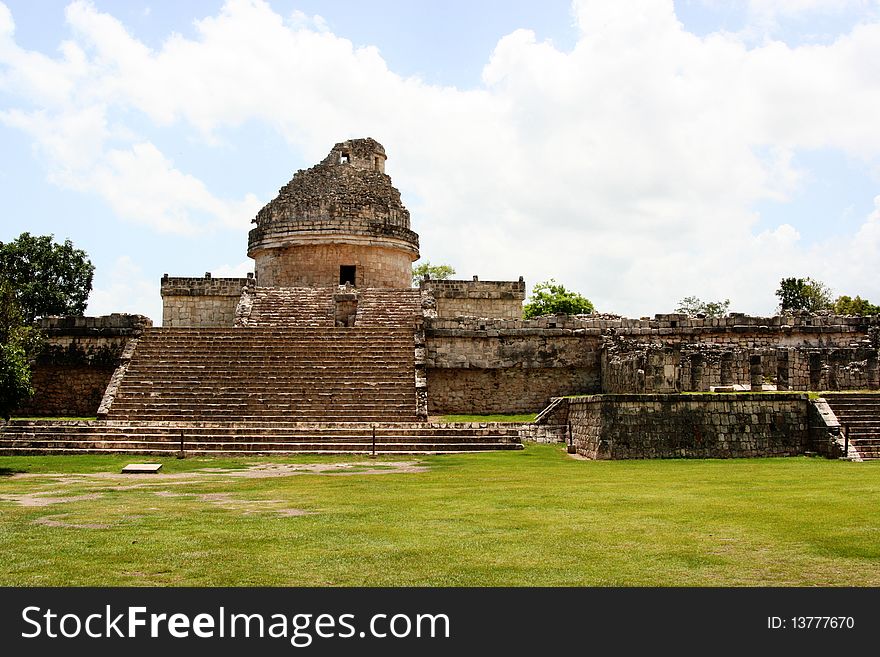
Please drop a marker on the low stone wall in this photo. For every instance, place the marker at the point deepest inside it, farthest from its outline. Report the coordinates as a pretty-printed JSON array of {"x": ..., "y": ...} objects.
[
  {"x": 75, "y": 366},
  {"x": 200, "y": 302},
  {"x": 542, "y": 433},
  {"x": 476, "y": 298},
  {"x": 66, "y": 390},
  {"x": 689, "y": 426}
]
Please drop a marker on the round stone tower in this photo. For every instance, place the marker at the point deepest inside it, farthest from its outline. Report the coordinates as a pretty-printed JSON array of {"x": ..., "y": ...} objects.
[{"x": 340, "y": 221}]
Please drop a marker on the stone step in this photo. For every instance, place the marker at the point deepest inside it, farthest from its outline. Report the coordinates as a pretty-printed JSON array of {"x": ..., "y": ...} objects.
[
  {"x": 139, "y": 437},
  {"x": 228, "y": 449},
  {"x": 287, "y": 424},
  {"x": 253, "y": 435},
  {"x": 318, "y": 416},
  {"x": 361, "y": 391},
  {"x": 316, "y": 373},
  {"x": 121, "y": 442}
]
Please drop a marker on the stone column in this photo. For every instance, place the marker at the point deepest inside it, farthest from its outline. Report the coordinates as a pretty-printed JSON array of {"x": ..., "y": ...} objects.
[
  {"x": 815, "y": 359},
  {"x": 782, "y": 376},
  {"x": 756, "y": 372},
  {"x": 873, "y": 373},
  {"x": 726, "y": 368},
  {"x": 696, "y": 372}
]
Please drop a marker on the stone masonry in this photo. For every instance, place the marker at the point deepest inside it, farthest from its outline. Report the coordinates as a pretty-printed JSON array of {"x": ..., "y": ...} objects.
[
  {"x": 689, "y": 426},
  {"x": 476, "y": 298},
  {"x": 192, "y": 302},
  {"x": 339, "y": 221},
  {"x": 329, "y": 329},
  {"x": 79, "y": 358}
]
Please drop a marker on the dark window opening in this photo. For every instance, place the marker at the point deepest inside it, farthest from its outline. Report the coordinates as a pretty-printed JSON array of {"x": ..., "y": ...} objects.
[
  {"x": 347, "y": 274},
  {"x": 345, "y": 159}
]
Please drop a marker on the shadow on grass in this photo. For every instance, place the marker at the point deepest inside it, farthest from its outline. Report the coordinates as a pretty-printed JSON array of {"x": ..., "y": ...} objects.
[{"x": 8, "y": 472}]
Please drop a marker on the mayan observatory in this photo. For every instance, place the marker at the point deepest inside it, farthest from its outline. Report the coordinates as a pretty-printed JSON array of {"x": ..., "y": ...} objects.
[{"x": 327, "y": 347}]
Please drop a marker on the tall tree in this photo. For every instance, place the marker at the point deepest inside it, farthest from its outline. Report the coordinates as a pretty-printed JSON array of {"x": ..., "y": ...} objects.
[
  {"x": 19, "y": 344},
  {"x": 436, "y": 272},
  {"x": 551, "y": 298},
  {"x": 803, "y": 294},
  {"x": 693, "y": 306},
  {"x": 47, "y": 278},
  {"x": 845, "y": 305}
]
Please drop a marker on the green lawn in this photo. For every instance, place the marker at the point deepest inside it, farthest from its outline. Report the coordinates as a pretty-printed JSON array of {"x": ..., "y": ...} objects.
[{"x": 535, "y": 517}]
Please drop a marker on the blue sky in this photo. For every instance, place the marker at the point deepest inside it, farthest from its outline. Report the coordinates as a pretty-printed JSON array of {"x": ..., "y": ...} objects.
[{"x": 638, "y": 152}]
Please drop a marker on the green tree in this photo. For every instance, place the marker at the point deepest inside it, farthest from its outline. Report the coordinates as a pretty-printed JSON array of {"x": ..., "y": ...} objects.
[
  {"x": 693, "y": 306},
  {"x": 436, "y": 272},
  {"x": 19, "y": 344},
  {"x": 551, "y": 298},
  {"x": 858, "y": 306},
  {"x": 803, "y": 294},
  {"x": 47, "y": 278}
]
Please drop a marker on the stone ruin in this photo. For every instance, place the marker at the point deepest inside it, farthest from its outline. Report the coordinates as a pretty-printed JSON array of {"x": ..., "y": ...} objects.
[{"x": 328, "y": 329}]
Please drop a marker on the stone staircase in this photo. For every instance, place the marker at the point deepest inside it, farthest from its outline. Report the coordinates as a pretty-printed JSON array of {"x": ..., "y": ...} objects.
[
  {"x": 160, "y": 438},
  {"x": 860, "y": 412},
  {"x": 290, "y": 307},
  {"x": 269, "y": 374},
  {"x": 302, "y": 307},
  {"x": 388, "y": 307}
]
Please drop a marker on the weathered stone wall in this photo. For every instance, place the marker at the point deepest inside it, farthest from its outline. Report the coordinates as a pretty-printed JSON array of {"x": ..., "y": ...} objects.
[
  {"x": 493, "y": 299},
  {"x": 564, "y": 355},
  {"x": 66, "y": 390},
  {"x": 629, "y": 366},
  {"x": 507, "y": 390},
  {"x": 841, "y": 368},
  {"x": 506, "y": 366},
  {"x": 318, "y": 265},
  {"x": 739, "y": 331},
  {"x": 77, "y": 362},
  {"x": 200, "y": 302},
  {"x": 689, "y": 426}
]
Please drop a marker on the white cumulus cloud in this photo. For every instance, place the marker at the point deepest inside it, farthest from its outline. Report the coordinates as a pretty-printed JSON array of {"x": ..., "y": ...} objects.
[{"x": 628, "y": 167}]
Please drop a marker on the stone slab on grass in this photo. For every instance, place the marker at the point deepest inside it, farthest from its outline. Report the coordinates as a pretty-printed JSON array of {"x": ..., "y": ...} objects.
[{"x": 142, "y": 468}]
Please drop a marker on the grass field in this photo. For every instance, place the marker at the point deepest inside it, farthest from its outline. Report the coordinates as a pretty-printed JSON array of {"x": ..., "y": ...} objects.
[{"x": 535, "y": 517}]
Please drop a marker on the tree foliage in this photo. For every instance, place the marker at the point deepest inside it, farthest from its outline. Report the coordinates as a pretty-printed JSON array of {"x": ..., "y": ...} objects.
[
  {"x": 19, "y": 344},
  {"x": 693, "y": 306},
  {"x": 803, "y": 294},
  {"x": 848, "y": 306},
  {"x": 436, "y": 272},
  {"x": 551, "y": 298},
  {"x": 47, "y": 278}
]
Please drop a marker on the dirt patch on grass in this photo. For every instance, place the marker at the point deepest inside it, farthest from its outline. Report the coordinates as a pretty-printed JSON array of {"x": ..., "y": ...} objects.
[
  {"x": 255, "y": 471},
  {"x": 42, "y": 499},
  {"x": 247, "y": 507},
  {"x": 106, "y": 482},
  {"x": 53, "y": 521}
]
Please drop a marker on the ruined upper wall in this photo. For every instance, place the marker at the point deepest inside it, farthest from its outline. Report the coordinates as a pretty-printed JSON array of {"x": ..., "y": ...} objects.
[
  {"x": 77, "y": 361},
  {"x": 476, "y": 298},
  {"x": 117, "y": 324},
  {"x": 736, "y": 330},
  {"x": 200, "y": 302}
]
